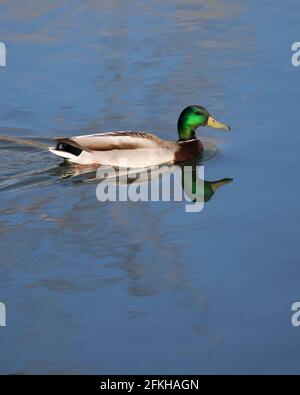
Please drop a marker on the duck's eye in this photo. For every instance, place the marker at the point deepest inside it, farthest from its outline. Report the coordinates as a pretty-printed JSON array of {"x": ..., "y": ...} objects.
[{"x": 198, "y": 112}]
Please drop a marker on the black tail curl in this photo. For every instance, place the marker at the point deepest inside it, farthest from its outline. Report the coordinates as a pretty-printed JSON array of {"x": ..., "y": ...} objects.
[{"x": 68, "y": 148}]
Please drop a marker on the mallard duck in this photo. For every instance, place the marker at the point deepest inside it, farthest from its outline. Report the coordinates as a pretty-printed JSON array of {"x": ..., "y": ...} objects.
[{"x": 138, "y": 149}]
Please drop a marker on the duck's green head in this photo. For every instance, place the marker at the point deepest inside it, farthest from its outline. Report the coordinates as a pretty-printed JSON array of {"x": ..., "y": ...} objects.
[{"x": 191, "y": 118}]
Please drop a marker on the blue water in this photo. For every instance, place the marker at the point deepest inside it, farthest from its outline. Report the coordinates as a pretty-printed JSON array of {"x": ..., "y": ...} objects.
[{"x": 136, "y": 288}]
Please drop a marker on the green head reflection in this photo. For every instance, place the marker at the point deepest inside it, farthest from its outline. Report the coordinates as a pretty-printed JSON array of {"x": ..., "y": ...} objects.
[{"x": 197, "y": 189}]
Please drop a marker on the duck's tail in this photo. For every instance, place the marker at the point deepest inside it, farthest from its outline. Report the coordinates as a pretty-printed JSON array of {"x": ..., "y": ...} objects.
[{"x": 66, "y": 150}]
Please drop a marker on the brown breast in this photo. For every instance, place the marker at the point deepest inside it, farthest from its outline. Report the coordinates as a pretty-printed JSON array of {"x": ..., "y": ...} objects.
[{"x": 188, "y": 150}]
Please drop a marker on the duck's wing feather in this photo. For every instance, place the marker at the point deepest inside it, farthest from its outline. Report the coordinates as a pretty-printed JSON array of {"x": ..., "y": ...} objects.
[{"x": 119, "y": 140}]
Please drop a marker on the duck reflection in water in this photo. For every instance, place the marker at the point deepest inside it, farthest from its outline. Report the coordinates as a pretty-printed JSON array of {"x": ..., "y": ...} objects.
[
  {"x": 193, "y": 184},
  {"x": 197, "y": 189}
]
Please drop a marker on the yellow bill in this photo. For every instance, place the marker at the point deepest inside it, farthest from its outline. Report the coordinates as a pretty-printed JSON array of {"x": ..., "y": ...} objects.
[{"x": 217, "y": 125}]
